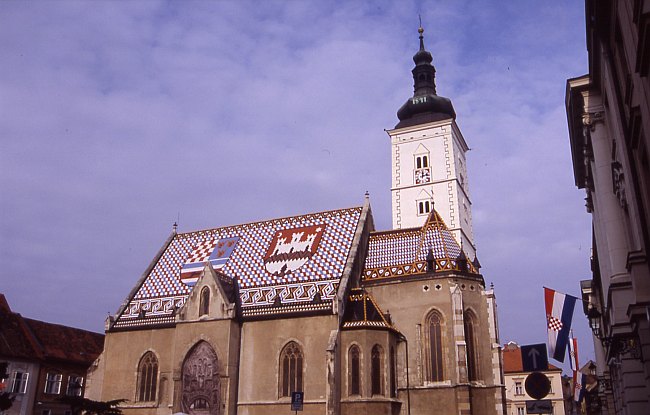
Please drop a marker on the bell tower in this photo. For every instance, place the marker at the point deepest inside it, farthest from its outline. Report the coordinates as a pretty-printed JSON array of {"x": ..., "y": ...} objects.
[{"x": 428, "y": 159}]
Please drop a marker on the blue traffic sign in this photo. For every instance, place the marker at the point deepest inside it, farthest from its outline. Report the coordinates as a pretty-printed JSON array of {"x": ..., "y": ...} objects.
[
  {"x": 297, "y": 399},
  {"x": 534, "y": 357}
]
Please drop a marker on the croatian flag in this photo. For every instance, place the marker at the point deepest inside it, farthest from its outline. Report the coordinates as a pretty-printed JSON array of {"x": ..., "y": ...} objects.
[
  {"x": 573, "y": 359},
  {"x": 559, "y": 312}
]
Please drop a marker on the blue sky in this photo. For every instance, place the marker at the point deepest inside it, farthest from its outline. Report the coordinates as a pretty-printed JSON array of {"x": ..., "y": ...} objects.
[{"x": 120, "y": 118}]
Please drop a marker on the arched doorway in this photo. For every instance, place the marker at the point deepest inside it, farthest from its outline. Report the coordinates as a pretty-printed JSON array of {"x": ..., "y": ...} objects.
[{"x": 200, "y": 381}]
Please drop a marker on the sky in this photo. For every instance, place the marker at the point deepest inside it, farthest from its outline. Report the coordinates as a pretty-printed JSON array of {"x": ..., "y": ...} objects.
[{"x": 118, "y": 119}]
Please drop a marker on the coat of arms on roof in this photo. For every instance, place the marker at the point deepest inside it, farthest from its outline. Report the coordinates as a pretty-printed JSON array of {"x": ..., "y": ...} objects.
[
  {"x": 292, "y": 248},
  {"x": 215, "y": 251}
]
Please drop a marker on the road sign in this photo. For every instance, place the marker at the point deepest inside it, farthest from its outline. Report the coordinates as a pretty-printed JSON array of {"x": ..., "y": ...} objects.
[
  {"x": 534, "y": 357},
  {"x": 543, "y": 406},
  {"x": 296, "y": 400},
  {"x": 537, "y": 385}
]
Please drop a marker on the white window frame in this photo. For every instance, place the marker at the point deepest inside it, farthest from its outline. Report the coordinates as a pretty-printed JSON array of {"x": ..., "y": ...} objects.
[
  {"x": 521, "y": 410},
  {"x": 519, "y": 387},
  {"x": 53, "y": 383},
  {"x": 19, "y": 385},
  {"x": 423, "y": 207}
]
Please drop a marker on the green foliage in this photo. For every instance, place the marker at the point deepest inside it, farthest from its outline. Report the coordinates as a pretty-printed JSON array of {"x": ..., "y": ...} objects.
[{"x": 80, "y": 405}]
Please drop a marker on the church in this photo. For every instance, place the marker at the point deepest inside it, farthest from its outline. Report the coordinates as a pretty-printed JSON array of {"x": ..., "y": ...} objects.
[{"x": 236, "y": 319}]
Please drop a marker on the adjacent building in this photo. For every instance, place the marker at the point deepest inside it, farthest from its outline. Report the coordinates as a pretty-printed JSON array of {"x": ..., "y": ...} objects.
[
  {"x": 235, "y": 319},
  {"x": 515, "y": 379},
  {"x": 45, "y": 362},
  {"x": 608, "y": 112}
]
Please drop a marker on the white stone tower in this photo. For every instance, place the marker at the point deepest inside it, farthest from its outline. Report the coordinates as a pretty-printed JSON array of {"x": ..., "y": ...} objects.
[{"x": 428, "y": 159}]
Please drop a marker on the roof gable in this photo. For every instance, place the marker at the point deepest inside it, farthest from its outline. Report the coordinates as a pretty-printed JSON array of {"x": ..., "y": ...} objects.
[
  {"x": 404, "y": 252},
  {"x": 285, "y": 265}
]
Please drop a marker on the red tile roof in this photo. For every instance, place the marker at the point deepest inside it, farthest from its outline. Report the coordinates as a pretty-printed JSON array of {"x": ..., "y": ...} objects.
[
  {"x": 32, "y": 339},
  {"x": 512, "y": 359}
]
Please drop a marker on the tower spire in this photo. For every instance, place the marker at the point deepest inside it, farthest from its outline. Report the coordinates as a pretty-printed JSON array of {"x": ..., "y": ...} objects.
[{"x": 426, "y": 105}]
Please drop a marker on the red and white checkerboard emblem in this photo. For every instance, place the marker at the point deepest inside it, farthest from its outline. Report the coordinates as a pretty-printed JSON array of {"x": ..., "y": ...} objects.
[{"x": 554, "y": 323}]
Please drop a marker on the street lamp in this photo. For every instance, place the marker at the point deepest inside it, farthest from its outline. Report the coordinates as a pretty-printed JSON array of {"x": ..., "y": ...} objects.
[{"x": 594, "y": 321}]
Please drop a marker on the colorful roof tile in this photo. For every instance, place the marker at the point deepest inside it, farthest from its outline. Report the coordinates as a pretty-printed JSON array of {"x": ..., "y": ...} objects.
[
  {"x": 404, "y": 252},
  {"x": 285, "y": 265},
  {"x": 362, "y": 311}
]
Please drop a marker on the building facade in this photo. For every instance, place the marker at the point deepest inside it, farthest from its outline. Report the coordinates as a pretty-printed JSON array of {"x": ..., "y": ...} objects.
[
  {"x": 45, "y": 362},
  {"x": 233, "y": 320},
  {"x": 515, "y": 379},
  {"x": 608, "y": 112}
]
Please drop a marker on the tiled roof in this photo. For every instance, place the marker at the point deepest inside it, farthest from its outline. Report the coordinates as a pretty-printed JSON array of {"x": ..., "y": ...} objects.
[
  {"x": 404, "y": 252},
  {"x": 361, "y": 311},
  {"x": 512, "y": 362},
  {"x": 291, "y": 264},
  {"x": 37, "y": 340}
]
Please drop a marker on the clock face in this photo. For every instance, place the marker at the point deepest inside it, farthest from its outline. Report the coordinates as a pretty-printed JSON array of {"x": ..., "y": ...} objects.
[{"x": 422, "y": 176}]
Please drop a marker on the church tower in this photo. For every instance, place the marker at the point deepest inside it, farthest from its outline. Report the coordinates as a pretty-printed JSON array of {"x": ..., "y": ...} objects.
[{"x": 428, "y": 159}]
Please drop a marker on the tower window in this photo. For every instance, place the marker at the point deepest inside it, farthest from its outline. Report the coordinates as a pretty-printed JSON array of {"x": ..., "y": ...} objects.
[
  {"x": 422, "y": 172},
  {"x": 424, "y": 207}
]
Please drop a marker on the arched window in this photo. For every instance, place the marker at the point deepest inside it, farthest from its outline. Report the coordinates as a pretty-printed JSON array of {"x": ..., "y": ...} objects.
[
  {"x": 470, "y": 341},
  {"x": 377, "y": 362},
  {"x": 204, "y": 302},
  {"x": 393, "y": 373},
  {"x": 147, "y": 377},
  {"x": 291, "y": 364},
  {"x": 433, "y": 346},
  {"x": 354, "y": 362}
]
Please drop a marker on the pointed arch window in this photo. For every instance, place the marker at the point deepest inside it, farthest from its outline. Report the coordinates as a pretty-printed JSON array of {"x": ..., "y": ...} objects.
[
  {"x": 470, "y": 341},
  {"x": 376, "y": 375},
  {"x": 291, "y": 364},
  {"x": 204, "y": 302},
  {"x": 147, "y": 377},
  {"x": 354, "y": 362},
  {"x": 433, "y": 347}
]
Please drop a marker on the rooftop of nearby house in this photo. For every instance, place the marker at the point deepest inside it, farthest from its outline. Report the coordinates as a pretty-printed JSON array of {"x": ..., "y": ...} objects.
[{"x": 25, "y": 338}]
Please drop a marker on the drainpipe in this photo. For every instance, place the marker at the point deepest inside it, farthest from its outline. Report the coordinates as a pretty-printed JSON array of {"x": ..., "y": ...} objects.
[{"x": 401, "y": 337}]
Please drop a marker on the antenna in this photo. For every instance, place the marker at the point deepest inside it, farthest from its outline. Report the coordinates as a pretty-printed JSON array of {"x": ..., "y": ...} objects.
[{"x": 420, "y": 18}]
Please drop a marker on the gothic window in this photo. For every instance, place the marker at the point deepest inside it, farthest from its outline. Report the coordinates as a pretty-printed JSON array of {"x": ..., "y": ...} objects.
[
  {"x": 376, "y": 375},
  {"x": 291, "y": 364},
  {"x": 53, "y": 383},
  {"x": 147, "y": 377},
  {"x": 354, "y": 362},
  {"x": 470, "y": 341},
  {"x": 433, "y": 347},
  {"x": 393, "y": 373},
  {"x": 204, "y": 302},
  {"x": 201, "y": 387}
]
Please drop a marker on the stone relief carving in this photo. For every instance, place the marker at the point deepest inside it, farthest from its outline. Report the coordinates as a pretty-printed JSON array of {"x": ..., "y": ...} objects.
[{"x": 200, "y": 381}]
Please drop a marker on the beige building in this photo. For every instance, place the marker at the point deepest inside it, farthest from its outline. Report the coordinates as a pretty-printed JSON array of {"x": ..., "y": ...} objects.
[
  {"x": 515, "y": 379},
  {"x": 608, "y": 112},
  {"x": 232, "y": 320}
]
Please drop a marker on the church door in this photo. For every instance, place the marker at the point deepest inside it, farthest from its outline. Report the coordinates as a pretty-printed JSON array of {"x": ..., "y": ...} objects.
[{"x": 201, "y": 391}]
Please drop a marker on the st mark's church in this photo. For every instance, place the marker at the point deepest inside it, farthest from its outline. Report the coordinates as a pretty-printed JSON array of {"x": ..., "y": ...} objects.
[{"x": 232, "y": 320}]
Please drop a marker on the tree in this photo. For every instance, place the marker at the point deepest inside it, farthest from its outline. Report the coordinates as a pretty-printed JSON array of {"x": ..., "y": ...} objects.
[
  {"x": 79, "y": 405},
  {"x": 6, "y": 398}
]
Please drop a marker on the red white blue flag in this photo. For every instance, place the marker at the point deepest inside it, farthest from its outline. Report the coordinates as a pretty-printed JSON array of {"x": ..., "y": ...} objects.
[
  {"x": 573, "y": 359},
  {"x": 559, "y": 312}
]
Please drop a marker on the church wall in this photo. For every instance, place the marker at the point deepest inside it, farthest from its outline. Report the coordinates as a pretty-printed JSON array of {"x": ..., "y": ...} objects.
[
  {"x": 408, "y": 304},
  {"x": 123, "y": 351},
  {"x": 259, "y": 371},
  {"x": 365, "y": 401}
]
